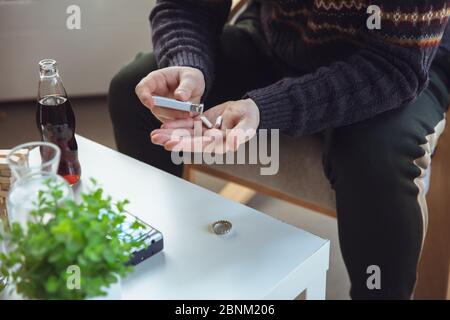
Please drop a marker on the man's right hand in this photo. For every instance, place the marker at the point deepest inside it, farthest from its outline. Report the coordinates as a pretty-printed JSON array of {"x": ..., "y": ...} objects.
[{"x": 181, "y": 83}]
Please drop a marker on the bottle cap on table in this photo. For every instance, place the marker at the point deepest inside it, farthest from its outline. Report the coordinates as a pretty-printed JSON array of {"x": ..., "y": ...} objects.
[{"x": 222, "y": 227}]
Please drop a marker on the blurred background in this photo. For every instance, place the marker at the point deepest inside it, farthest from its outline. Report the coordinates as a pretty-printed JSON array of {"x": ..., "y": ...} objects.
[{"x": 112, "y": 33}]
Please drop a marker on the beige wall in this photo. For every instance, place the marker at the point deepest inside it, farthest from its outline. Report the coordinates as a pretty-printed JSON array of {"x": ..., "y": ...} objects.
[{"x": 112, "y": 32}]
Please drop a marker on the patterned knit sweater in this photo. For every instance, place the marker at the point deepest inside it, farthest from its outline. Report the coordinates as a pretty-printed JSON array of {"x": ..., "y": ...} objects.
[{"x": 351, "y": 73}]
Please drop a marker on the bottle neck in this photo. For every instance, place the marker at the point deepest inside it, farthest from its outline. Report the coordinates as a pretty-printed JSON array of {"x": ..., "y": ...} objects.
[
  {"x": 48, "y": 68},
  {"x": 44, "y": 73},
  {"x": 50, "y": 82}
]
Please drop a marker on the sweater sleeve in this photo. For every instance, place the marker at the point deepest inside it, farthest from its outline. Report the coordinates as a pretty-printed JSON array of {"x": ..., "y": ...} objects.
[
  {"x": 184, "y": 33},
  {"x": 389, "y": 70}
]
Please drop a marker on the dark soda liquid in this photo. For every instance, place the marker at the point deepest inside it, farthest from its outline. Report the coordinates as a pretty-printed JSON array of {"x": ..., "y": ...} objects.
[{"x": 56, "y": 122}]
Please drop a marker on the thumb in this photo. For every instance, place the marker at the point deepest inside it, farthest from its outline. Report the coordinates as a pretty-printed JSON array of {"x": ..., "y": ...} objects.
[{"x": 184, "y": 90}]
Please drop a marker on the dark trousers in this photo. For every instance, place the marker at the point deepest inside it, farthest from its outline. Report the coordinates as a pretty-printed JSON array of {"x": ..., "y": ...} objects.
[{"x": 376, "y": 166}]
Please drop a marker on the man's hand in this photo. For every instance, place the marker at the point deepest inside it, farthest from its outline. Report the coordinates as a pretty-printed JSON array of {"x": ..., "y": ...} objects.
[
  {"x": 240, "y": 121},
  {"x": 181, "y": 83}
]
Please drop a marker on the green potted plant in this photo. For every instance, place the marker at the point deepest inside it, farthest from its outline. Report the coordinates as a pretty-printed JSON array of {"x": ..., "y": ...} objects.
[{"x": 67, "y": 239}]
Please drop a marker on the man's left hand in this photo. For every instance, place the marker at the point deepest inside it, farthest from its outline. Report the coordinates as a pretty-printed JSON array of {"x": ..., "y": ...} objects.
[{"x": 239, "y": 124}]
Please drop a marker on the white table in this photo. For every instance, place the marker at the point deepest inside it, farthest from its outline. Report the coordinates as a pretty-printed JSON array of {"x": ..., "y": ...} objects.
[{"x": 263, "y": 258}]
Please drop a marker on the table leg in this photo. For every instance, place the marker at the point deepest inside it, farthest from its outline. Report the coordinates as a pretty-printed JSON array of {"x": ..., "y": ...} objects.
[{"x": 317, "y": 287}]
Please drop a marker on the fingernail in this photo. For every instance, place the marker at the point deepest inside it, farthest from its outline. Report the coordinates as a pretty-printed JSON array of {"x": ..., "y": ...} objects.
[
  {"x": 147, "y": 101},
  {"x": 167, "y": 147},
  {"x": 181, "y": 93},
  {"x": 153, "y": 132}
]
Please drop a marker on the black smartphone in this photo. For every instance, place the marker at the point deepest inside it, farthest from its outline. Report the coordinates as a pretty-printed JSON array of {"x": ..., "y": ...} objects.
[{"x": 153, "y": 239}]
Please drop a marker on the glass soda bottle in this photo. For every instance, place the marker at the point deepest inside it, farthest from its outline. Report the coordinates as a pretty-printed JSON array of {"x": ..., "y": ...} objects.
[{"x": 56, "y": 120}]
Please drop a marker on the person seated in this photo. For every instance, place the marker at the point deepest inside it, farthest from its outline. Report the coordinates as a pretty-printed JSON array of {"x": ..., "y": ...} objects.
[{"x": 376, "y": 95}]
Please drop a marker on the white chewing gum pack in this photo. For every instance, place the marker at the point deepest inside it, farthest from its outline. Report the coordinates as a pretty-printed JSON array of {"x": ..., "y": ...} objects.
[{"x": 178, "y": 105}]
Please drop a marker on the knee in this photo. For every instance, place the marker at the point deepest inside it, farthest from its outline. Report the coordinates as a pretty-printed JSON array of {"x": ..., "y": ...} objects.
[
  {"x": 376, "y": 156},
  {"x": 121, "y": 93},
  {"x": 120, "y": 84}
]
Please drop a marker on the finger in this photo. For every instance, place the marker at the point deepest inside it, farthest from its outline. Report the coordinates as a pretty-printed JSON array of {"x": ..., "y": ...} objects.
[
  {"x": 162, "y": 136},
  {"x": 213, "y": 113},
  {"x": 163, "y": 119},
  {"x": 144, "y": 91},
  {"x": 196, "y": 131},
  {"x": 201, "y": 122},
  {"x": 159, "y": 139},
  {"x": 240, "y": 134},
  {"x": 188, "y": 144},
  {"x": 211, "y": 141},
  {"x": 187, "y": 85},
  {"x": 177, "y": 132},
  {"x": 230, "y": 119},
  {"x": 169, "y": 113},
  {"x": 218, "y": 144},
  {"x": 215, "y": 133},
  {"x": 153, "y": 82},
  {"x": 180, "y": 123}
]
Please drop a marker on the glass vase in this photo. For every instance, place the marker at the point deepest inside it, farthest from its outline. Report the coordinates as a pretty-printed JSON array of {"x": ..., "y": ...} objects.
[{"x": 34, "y": 166}]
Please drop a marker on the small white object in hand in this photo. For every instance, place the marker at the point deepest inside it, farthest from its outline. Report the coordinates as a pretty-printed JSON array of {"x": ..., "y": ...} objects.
[
  {"x": 206, "y": 122},
  {"x": 218, "y": 123}
]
